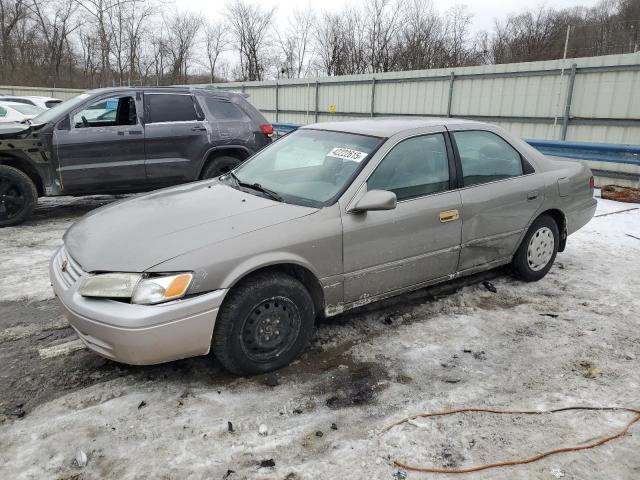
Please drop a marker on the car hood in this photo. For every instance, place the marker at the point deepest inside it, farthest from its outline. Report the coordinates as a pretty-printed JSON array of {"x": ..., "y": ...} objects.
[{"x": 135, "y": 234}]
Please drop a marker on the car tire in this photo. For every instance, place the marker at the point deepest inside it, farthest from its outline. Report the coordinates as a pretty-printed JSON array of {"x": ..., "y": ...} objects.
[
  {"x": 219, "y": 166},
  {"x": 264, "y": 324},
  {"x": 538, "y": 250},
  {"x": 18, "y": 196}
]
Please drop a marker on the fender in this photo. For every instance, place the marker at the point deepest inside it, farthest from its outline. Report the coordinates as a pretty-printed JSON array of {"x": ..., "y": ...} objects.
[
  {"x": 268, "y": 259},
  {"x": 220, "y": 147}
]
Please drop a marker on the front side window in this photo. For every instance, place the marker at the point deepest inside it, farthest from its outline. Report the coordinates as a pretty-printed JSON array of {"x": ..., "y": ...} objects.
[
  {"x": 223, "y": 109},
  {"x": 415, "y": 167},
  {"x": 486, "y": 157},
  {"x": 308, "y": 167},
  {"x": 168, "y": 107},
  {"x": 107, "y": 112}
]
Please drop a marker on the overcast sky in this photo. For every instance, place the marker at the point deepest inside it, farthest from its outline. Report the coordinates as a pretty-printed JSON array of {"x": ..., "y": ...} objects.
[{"x": 484, "y": 10}]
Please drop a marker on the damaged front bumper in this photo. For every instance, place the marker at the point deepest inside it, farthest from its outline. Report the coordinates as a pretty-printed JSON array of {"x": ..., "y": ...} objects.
[{"x": 134, "y": 334}]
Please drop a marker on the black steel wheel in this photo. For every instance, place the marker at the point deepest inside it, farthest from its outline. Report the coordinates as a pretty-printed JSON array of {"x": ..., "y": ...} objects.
[
  {"x": 264, "y": 324},
  {"x": 18, "y": 196}
]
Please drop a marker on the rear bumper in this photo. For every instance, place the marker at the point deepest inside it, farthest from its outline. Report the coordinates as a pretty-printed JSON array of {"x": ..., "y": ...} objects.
[
  {"x": 580, "y": 216},
  {"x": 136, "y": 334}
]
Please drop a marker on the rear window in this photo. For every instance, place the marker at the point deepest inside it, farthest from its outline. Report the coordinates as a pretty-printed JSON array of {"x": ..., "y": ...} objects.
[
  {"x": 51, "y": 103},
  {"x": 27, "y": 109},
  {"x": 163, "y": 107},
  {"x": 223, "y": 110}
]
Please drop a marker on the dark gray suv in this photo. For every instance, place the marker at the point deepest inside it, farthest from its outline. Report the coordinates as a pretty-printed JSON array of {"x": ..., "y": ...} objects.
[{"x": 122, "y": 140}]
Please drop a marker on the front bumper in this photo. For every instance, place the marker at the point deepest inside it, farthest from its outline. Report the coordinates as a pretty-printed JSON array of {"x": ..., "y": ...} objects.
[{"x": 135, "y": 334}]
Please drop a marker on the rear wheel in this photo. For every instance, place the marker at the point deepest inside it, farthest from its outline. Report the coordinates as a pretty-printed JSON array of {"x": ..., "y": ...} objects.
[
  {"x": 537, "y": 251},
  {"x": 264, "y": 324},
  {"x": 18, "y": 196},
  {"x": 219, "y": 166}
]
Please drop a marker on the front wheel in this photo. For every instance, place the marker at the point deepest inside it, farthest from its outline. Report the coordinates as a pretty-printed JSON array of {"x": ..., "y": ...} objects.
[
  {"x": 537, "y": 251},
  {"x": 18, "y": 196},
  {"x": 264, "y": 324}
]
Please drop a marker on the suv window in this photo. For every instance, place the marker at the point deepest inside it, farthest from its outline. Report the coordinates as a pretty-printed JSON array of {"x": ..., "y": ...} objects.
[
  {"x": 223, "y": 109},
  {"x": 486, "y": 157},
  {"x": 3, "y": 112},
  {"x": 107, "y": 112},
  {"x": 415, "y": 167},
  {"x": 170, "y": 107}
]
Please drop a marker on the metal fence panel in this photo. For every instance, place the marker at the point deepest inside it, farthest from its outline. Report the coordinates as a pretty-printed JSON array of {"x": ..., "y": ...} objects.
[{"x": 598, "y": 100}]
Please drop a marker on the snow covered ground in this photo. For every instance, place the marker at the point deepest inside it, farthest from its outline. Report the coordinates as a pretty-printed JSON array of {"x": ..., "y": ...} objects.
[{"x": 571, "y": 339}]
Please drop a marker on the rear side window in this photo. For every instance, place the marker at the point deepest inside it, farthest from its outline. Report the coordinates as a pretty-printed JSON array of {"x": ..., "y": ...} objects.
[
  {"x": 415, "y": 167},
  {"x": 223, "y": 110},
  {"x": 486, "y": 157},
  {"x": 162, "y": 107},
  {"x": 3, "y": 112}
]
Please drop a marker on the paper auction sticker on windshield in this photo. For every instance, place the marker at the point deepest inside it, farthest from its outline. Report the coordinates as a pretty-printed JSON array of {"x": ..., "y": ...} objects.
[{"x": 347, "y": 154}]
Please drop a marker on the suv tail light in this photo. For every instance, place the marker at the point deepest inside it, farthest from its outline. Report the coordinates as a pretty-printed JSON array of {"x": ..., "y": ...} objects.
[
  {"x": 591, "y": 182},
  {"x": 267, "y": 129}
]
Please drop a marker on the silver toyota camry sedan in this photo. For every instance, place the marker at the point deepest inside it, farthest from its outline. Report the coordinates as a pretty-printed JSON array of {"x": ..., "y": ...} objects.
[{"x": 330, "y": 217}]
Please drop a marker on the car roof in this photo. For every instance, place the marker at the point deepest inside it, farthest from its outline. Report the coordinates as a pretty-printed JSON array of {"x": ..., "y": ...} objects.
[
  {"x": 169, "y": 89},
  {"x": 387, "y": 126},
  {"x": 31, "y": 97}
]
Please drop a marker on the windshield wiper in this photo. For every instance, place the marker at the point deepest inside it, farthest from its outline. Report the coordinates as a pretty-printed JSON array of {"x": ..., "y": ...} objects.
[{"x": 256, "y": 186}]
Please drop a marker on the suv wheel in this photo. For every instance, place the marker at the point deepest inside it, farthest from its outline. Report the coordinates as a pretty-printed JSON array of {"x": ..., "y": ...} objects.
[
  {"x": 18, "y": 196},
  {"x": 219, "y": 166},
  {"x": 537, "y": 251},
  {"x": 264, "y": 324}
]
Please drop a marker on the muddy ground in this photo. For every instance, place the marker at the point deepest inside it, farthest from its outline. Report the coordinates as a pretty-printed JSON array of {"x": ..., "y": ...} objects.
[{"x": 571, "y": 339}]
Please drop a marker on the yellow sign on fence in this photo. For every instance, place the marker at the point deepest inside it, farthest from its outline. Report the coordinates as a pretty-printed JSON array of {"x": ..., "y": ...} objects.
[{"x": 332, "y": 108}]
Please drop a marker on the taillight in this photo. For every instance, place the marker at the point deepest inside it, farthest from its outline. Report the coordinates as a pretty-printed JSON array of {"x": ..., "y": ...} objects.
[
  {"x": 592, "y": 183},
  {"x": 266, "y": 129}
]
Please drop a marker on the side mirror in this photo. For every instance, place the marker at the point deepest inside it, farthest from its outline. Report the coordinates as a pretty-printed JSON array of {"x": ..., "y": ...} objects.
[{"x": 376, "y": 200}]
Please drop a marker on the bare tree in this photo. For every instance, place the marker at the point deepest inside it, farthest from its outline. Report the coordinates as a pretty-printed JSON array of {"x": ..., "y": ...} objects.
[
  {"x": 294, "y": 44},
  {"x": 12, "y": 13},
  {"x": 216, "y": 41},
  {"x": 382, "y": 26},
  {"x": 56, "y": 24},
  {"x": 250, "y": 25},
  {"x": 182, "y": 30}
]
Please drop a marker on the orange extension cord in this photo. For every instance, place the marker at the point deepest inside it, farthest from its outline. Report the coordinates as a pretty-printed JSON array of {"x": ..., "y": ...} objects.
[{"x": 596, "y": 443}]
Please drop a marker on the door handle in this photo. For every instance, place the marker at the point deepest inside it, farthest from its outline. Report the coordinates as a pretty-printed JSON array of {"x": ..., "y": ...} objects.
[
  {"x": 449, "y": 215},
  {"x": 135, "y": 132},
  {"x": 199, "y": 128},
  {"x": 532, "y": 195}
]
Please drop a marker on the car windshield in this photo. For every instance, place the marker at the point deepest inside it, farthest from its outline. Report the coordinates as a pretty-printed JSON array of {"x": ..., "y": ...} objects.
[
  {"x": 307, "y": 167},
  {"x": 53, "y": 113},
  {"x": 27, "y": 109}
]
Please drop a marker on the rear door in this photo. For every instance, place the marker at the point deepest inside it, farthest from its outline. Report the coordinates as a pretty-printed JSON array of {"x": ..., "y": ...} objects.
[
  {"x": 176, "y": 137},
  {"x": 500, "y": 195},
  {"x": 101, "y": 146}
]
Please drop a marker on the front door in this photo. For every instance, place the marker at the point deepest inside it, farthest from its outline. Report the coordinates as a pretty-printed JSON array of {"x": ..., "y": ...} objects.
[
  {"x": 499, "y": 197},
  {"x": 418, "y": 241},
  {"x": 176, "y": 138},
  {"x": 103, "y": 147}
]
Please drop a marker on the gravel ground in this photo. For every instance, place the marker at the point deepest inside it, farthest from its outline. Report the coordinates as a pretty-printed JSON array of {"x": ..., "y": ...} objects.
[{"x": 570, "y": 339}]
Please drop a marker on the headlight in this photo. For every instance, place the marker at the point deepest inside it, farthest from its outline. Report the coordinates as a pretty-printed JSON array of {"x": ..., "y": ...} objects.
[
  {"x": 110, "y": 285},
  {"x": 137, "y": 287},
  {"x": 161, "y": 289}
]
